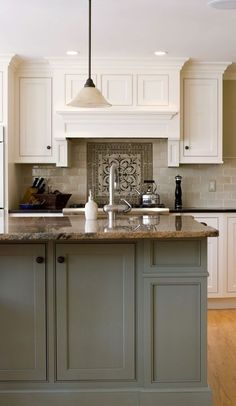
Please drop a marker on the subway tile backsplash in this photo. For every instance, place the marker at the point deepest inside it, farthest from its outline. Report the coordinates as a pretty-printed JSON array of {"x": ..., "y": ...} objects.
[{"x": 148, "y": 158}]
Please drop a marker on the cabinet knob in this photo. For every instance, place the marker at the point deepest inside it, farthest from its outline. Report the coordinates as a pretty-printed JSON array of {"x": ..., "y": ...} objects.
[
  {"x": 39, "y": 260},
  {"x": 186, "y": 147},
  {"x": 49, "y": 147},
  {"x": 60, "y": 260},
  {"x": 203, "y": 223}
]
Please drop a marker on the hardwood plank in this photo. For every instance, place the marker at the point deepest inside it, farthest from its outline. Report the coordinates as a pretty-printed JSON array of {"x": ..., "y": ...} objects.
[{"x": 222, "y": 356}]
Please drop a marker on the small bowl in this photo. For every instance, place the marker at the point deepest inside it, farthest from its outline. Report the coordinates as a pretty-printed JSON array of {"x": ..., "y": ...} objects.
[{"x": 30, "y": 206}]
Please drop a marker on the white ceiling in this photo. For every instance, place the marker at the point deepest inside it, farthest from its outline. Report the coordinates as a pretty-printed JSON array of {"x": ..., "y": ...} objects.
[{"x": 186, "y": 28}]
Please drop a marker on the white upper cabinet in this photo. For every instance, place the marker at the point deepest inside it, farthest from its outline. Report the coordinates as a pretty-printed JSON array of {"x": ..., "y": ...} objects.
[
  {"x": 34, "y": 125},
  {"x": 201, "y": 105},
  {"x": 200, "y": 118}
]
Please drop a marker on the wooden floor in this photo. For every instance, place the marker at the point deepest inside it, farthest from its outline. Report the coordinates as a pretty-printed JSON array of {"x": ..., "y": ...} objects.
[{"x": 222, "y": 356}]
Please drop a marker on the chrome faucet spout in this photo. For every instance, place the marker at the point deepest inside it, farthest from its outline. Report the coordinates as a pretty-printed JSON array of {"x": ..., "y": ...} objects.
[
  {"x": 113, "y": 175},
  {"x": 112, "y": 209}
]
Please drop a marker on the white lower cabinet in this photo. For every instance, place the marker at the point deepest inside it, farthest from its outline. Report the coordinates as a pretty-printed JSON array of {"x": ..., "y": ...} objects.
[
  {"x": 221, "y": 255},
  {"x": 213, "y": 254},
  {"x": 230, "y": 279}
]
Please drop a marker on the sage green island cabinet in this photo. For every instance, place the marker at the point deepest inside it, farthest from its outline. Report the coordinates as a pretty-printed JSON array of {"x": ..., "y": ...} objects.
[
  {"x": 107, "y": 318},
  {"x": 22, "y": 313},
  {"x": 95, "y": 312}
]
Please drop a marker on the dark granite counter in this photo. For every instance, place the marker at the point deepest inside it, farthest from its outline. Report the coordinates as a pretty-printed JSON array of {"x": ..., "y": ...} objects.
[
  {"x": 126, "y": 227},
  {"x": 204, "y": 210}
]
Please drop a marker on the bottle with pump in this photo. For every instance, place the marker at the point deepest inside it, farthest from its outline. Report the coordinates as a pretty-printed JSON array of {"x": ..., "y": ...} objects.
[{"x": 91, "y": 208}]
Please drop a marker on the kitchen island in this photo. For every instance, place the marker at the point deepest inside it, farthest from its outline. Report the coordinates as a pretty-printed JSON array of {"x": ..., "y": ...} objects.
[{"x": 103, "y": 314}]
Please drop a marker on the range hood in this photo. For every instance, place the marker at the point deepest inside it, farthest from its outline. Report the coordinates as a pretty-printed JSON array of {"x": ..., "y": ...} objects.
[
  {"x": 144, "y": 93},
  {"x": 119, "y": 123}
]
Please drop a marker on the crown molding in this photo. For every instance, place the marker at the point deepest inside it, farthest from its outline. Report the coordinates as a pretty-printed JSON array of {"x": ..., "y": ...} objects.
[
  {"x": 205, "y": 67},
  {"x": 7, "y": 59},
  {"x": 34, "y": 67},
  {"x": 125, "y": 63}
]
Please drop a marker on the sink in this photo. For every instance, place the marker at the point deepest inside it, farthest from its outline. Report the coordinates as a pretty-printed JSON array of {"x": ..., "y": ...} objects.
[{"x": 142, "y": 210}]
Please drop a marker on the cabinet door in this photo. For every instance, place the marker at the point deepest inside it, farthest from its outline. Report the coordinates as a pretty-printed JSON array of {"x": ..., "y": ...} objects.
[
  {"x": 153, "y": 90},
  {"x": 212, "y": 254},
  {"x": 201, "y": 129},
  {"x": 95, "y": 312},
  {"x": 174, "y": 332},
  {"x": 118, "y": 89},
  {"x": 231, "y": 254},
  {"x": 35, "y": 130},
  {"x": 22, "y": 313}
]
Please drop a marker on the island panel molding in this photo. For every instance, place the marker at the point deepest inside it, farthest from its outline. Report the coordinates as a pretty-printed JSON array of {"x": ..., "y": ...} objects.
[
  {"x": 175, "y": 331},
  {"x": 95, "y": 312}
]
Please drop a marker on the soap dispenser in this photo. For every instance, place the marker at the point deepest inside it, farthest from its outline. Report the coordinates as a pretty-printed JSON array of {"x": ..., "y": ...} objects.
[{"x": 91, "y": 208}]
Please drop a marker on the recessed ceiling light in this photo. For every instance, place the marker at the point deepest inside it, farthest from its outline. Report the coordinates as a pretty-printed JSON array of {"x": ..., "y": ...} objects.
[
  {"x": 71, "y": 53},
  {"x": 222, "y": 4},
  {"x": 160, "y": 53}
]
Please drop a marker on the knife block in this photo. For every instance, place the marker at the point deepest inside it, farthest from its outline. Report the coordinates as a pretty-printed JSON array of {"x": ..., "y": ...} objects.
[{"x": 53, "y": 201}]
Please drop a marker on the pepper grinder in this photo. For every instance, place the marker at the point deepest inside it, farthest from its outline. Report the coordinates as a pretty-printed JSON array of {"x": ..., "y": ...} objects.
[{"x": 178, "y": 192}]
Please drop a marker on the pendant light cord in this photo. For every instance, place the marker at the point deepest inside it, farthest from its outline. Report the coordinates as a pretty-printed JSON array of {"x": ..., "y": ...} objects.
[
  {"x": 89, "y": 45},
  {"x": 89, "y": 81}
]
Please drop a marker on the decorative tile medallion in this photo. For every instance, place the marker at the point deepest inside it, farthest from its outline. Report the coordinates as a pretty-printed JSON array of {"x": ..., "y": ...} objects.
[{"x": 134, "y": 163}]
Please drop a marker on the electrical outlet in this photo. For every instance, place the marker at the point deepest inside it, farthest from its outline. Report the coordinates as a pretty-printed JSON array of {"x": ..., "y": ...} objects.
[{"x": 212, "y": 186}]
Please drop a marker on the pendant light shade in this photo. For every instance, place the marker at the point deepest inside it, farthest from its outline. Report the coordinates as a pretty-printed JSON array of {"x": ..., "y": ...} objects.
[{"x": 89, "y": 95}]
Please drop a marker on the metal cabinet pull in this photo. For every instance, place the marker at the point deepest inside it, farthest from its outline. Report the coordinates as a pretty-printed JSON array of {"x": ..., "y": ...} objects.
[
  {"x": 39, "y": 260},
  {"x": 49, "y": 147},
  {"x": 186, "y": 147},
  {"x": 203, "y": 223},
  {"x": 60, "y": 260}
]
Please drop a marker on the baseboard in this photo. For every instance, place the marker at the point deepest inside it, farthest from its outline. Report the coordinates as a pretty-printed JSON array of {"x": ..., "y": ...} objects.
[
  {"x": 222, "y": 303},
  {"x": 138, "y": 397}
]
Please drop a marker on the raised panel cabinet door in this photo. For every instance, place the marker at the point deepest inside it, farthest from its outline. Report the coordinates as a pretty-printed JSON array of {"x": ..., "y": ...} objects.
[
  {"x": 35, "y": 117},
  {"x": 22, "y": 312},
  {"x": 118, "y": 89},
  {"x": 153, "y": 90},
  {"x": 200, "y": 117},
  {"x": 95, "y": 312},
  {"x": 174, "y": 335},
  {"x": 231, "y": 254},
  {"x": 74, "y": 83}
]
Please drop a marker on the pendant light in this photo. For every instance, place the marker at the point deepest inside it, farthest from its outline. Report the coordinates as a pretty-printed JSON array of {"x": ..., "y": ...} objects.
[
  {"x": 222, "y": 4},
  {"x": 89, "y": 96}
]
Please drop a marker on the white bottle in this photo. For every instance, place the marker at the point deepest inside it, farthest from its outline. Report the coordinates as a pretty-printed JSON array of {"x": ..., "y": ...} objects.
[{"x": 91, "y": 208}]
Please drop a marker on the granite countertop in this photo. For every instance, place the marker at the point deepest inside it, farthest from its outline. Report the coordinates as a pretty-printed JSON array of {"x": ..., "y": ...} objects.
[
  {"x": 204, "y": 210},
  {"x": 126, "y": 227}
]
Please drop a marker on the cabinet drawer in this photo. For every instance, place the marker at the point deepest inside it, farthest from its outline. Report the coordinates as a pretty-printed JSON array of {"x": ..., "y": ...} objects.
[{"x": 174, "y": 255}]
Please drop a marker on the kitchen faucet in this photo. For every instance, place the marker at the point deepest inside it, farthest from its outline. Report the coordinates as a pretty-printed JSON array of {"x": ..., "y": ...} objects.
[{"x": 112, "y": 208}]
